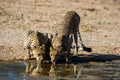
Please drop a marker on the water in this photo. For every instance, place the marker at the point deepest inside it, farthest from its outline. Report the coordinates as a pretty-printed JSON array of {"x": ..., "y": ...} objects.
[{"x": 30, "y": 70}]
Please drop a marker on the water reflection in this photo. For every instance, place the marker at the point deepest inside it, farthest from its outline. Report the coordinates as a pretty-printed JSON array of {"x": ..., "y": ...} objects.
[
  {"x": 49, "y": 70},
  {"x": 35, "y": 69},
  {"x": 31, "y": 70},
  {"x": 87, "y": 71}
]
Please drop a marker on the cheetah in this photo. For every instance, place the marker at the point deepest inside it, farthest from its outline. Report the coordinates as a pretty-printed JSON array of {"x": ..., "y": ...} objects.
[
  {"x": 68, "y": 38},
  {"x": 38, "y": 44},
  {"x": 31, "y": 42}
]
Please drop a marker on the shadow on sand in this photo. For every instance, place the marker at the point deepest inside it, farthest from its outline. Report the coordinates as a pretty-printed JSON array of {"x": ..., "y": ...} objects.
[
  {"x": 83, "y": 58},
  {"x": 94, "y": 57}
]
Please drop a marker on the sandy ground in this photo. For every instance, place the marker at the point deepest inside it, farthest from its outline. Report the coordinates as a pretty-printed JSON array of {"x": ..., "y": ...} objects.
[{"x": 99, "y": 26}]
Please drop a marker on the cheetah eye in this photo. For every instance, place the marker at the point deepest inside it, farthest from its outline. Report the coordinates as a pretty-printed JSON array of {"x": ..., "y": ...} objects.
[
  {"x": 39, "y": 54},
  {"x": 34, "y": 46},
  {"x": 50, "y": 54}
]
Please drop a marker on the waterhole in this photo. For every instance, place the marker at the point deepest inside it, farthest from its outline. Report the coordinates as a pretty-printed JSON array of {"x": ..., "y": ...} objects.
[{"x": 31, "y": 70}]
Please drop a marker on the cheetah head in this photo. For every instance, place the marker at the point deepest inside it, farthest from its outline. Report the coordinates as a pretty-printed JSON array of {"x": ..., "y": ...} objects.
[
  {"x": 38, "y": 52},
  {"x": 54, "y": 54}
]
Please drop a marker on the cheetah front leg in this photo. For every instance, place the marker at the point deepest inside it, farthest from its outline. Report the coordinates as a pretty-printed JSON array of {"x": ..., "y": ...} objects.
[
  {"x": 76, "y": 43},
  {"x": 28, "y": 55}
]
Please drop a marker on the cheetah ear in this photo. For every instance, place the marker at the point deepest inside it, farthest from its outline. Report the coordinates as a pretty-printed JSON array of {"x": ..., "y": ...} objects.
[{"x": 51, "y": 37}]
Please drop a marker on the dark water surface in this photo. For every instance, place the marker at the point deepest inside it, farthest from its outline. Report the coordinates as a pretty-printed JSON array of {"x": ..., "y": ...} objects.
[{"x": 30, "y": 70}]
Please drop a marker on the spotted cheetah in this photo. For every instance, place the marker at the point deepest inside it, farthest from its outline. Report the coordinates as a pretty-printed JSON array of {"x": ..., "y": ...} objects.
[
  {"x": 68, "y": 38},
  {"x": 38, "y": 44}
]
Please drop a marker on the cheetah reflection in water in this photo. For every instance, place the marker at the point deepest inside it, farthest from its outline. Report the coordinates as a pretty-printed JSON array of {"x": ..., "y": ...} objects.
[{"x": 35, "y": 69}]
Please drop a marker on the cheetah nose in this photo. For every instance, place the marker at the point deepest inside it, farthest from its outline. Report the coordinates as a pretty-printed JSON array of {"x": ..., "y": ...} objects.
[{"x": 53, "y": 62}]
